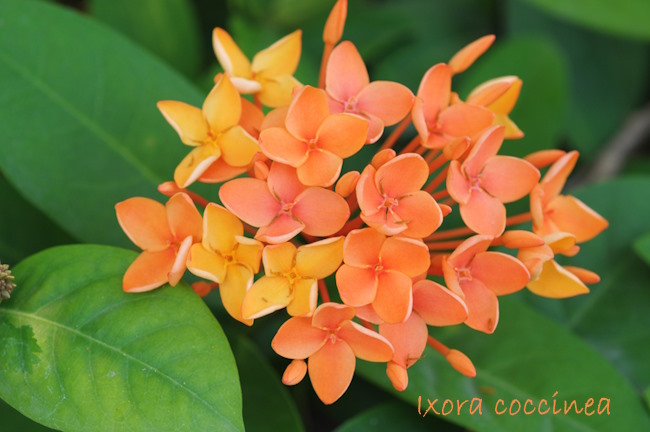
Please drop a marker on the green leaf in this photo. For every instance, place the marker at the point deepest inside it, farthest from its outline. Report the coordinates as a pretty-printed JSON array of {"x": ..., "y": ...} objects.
[
  {"x": 393, "y": 416},
  {"x": 79, "y": 354},
  {"x": 80, "y": 130},
  {"x": 642, "y": 247},
  {"x": 168, "y": 28},
  {"x": 601, "y": 92},
  {"x": 540, "y": 110},
  {"x": 647, "y": 396},
  {"x": 628, "y": 18},
  {"x": 528, "y": 357},
  {"x": 24, "y": 230},
  {"x": 14, "y": 421},
  {"x": 267, "y": 404}
]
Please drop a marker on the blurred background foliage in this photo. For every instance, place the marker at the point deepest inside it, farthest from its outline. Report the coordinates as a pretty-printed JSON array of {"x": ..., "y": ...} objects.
[{"x": 586, "y": 68}]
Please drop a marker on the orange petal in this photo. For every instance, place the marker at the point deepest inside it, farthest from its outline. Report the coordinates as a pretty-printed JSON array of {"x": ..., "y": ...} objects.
[
  {"x": 437, "y": 305},
  {"x": 335, "y": 23},
  {"x": 463, "y": 255},
  {"x": 408, "y": 256},
  {"x": 419, "y": 121},
  {"x": 233, "y": 289},
  {"x": 357, "y": 286},
  {"x": 248, "y": 252},
  {"x": 394, "y": 298},
  {"x": 308, "y": 209},
  {"x": 463, "y": 119},
  {"x": 320, "y": 259},
  {"x": 187, "y": 120},
  {"x": 386, "y": 222},
  {"x": 206, "y": 264},
  {"x": 294, "y": 373},
  {"x": 458, "y": 185},
  {"x": 454, "y": 149},
  {"x": 342, "y": 134},
  {"x": 408, "y": 339},
  {"x": 284, "y": 183},
  {"x": 277, "y": 91},
  {"x": 508, "y": 178},
  {"x": 321, "y": 168},
  {"x": 466, "y": 56},
  {"x": 375, "y": 127},
  {"x": 556, "y": 282},
  {"x": 150, "y": 270},
  {"x": 180, "y": 263},
  {"x": 506, "y": 102},
  {"x": 281, "y": 58},
  {"x": 367, "y": 313},
  {"x": 391, "y": 180},
  {"x": 330, "y": 370},
  {"x": 435, "y": 91},
  {"x": 144, "y": 221},
  {"x": 195, "y": 164},
  {"x": 279, "y": 145},
  {"x": 366, "y": 344},
  {"x": 279, "y": 258},
  {"x": 486, "y": 147},
  {"x": 305, "y": 296},
  {"x": 283, "y": 228},
  {"x": 306, "y": 113},
  {"x": 499, "y": 272},
  {"x": 362, "y": 246},
  {"x": 233, "y": 61},
  {"x": 369, "y": 198},
  {"x": 346, "y": 72},
  {"x": 219, "y": 172},
  {"x": 517, "y": 239},
  {"x": 397, "y": 375},
  {"x": 347, "y": 183},
  {"x": 557, "y": 175},
  {"x": 268, "y": 294},
  {"x": 571, "y": 215},
  {"x": 484, "y": 214},
  {"x": 184, "y": 219},
  {"x": 237, "y": 147},
  {"x": 275, "y": 118},
  {"x": 421, "y": 213},
  {"x": 250, "y": 200},
  {"x": 388, "y": 100},
  {"x": 251, "y": 118},
  {"x": 544, "y": 158},
  {"x": 298, "y": 339},
  {"x": 222, "y": 107},
  {"x": 490, "y": 91},
  {"x": 482, "y": 306},
  {"x": 331, "y": 315},
  {"x": 382, "y": 156},
  {"x": 585, "y": 276},
  {"x": 220, "y": 227}
]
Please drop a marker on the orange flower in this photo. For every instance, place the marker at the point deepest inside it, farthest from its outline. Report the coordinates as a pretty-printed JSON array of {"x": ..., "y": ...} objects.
[
  {"x": 382, "y": 103},
  {"x": 440, "y": 124},
  {"x": 270, "y": 75},
  {"x": 164, "y": 233},
  {"x": 284, "y": 207},
  {"x": 291, "y": 276},
  {"x": 314, "y": 141},
  {"x": 553, "y": 212},
  {"x": 391, "y": 200},
  {"x": 213, "y": 131},
  {"x": 478, "y": 277},
  {"x": 227, "y": 257},
  {"x": 499, "y": 96},
  {"x": 468, "y": 55},
  {"x": 485, "y": 181},
  {"x": 378, "y": 271},
  {"x": 331, "y": 341}
]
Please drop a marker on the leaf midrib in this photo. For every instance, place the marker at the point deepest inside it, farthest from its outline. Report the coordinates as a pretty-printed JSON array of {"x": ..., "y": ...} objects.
[{"x": 29, "y": 316}]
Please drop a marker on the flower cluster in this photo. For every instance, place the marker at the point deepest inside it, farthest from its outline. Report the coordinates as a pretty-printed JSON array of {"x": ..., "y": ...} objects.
[{"x": 278, "y": 147}]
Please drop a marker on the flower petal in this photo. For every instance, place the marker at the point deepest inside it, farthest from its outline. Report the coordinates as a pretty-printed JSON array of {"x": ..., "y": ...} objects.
[
  {"x": 468, "y": 55},
  {"x": 250, "y": 200},
  {"x": 284, "y": 183},
  {"x": 421, "y": 213},
  {"x": 298, "y": 339},
  {"x": 501, "y": 273},
  {"x": 279, "y": 145},
  {"x": 346, "y": 72},
  {"x": 408, "y": 256},
  {"x": 222, "y": 107},
  {"x": 366, "y": 344},
  {"x": 458, "y": 185},
  {"x": 388, "y": 100},
  {"x": 375, "y": 128},
  {"x": 281, "y": 58},
  {"x": 144, "y": 221},
  {"x": 195, "y": 164},
  {"x": 362, "y": 247},
  {"x": 369, "y": 198},
  {"x": 233, "y": 289},
  {"x": 231, "y": 58},
  {"x": 237, "y": 147},
  {"x": 508, "y": 178},
  {"x": 571, "y": 215},
  {"x": 306, "y": 113},
  {"x": 491, "y": 90},
  {"x": 330, "y": 370},
  {"x": 220, "y": 227},
  {"x": 394, "y": 298},
  {"x": 277, "y": 91},
  {"x": 248, "y": 252},
  {"x": 343, "y": 134},
  {"x": 219, "y": 172},
  {"x": 268, "y": 294},
  {"x": 482, "y": 306},
  {"x": 187, "y": 120},
  {"x": 506, "y": 102},
  {"x": 305, "y": 297},
  {"x": 357, "y": 286},
  {"x": 463, "y": 119},
  {"x": 390, "y": 178},
  {"x": 331, "y": 315},
  {"x": 437, "y": 305},
  {"x": 435, "y": 91},
  {"x": 180, "y": 262},
  {"x": 184, "y": 219},
  {"x": 556, "y": 282},
  {"x": 279, "y": 259},
  {"x": 320, "y": 259},
  {"x": 408, "y": 339},
  {"x": 484, "y": 214},
  {"x": 150, "y": 270},
  {"x": 308, "y": 209},
  {"x": 486, "y": 147},
  {"x": 283, "y": 228},
  {"x": 206, "y": 264},
  {"x": 557, "y": 175},
  {"x": 321, "y": 168}
]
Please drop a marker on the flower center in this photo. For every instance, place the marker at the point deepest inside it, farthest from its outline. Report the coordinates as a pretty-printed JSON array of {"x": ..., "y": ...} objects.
[
  {"x": 312, "y": 144},
  {"x": 351, "y": 105},
  {"x": 287, "y": 207},
  {"x": 214, "y": 138},
  {"x": 464, "y": 274},
  {"x": 292, "y": 276}
]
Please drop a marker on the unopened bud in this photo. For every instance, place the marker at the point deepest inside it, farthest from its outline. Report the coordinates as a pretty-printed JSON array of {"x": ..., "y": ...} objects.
[
  {"x": 461, "y": 363},
  {"x": 294, "y": 373},
  {"x": 7, "y": 284},
  {"x": 397, "y": 376},
  {"x": 333, "y": 30}
]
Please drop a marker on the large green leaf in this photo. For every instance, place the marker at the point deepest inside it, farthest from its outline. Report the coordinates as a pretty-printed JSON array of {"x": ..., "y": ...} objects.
[
  {"x": 80, "y": 130},
  {"x": 528, "y": 357},
  {"x": 168, "y": 28},
  {"x": 624, "y": 17},
  {"x": 393, "y": 416},
  {"x": 642, "y": 247},
  {"x": 80, "y": 354}
]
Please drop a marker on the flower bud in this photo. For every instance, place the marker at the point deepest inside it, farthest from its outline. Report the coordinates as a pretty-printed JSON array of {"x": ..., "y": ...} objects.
[{"x": 294, "y": 373}]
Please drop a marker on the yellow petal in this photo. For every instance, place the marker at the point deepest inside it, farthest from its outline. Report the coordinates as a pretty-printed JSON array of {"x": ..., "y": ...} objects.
[
  {"x": 231, "y": 58},
  {"x": 276, "y": 91},
  {"x": 220, "y": 227},
  {"x": 222, "y": 107},
  {"x": 195, "y": 164},
  {"x": 248, "y": 252},
  {"x": 512, "y": 130},
  {"x": 233, "y": 290},
  {"x": 507, "y": 101},
  {"x": 305, "y": 295},
  {"x": 556, "y": 282},
  {"x": 237, "y": 147},
  {"x": 279, "y": 258},
  {"x": 267, "y": 295},
  {"x": 320, "y": 259},
  {"x": 281, "y": 58},
  {"x": 246, "y": 86},
  {"x": 187, "y": 120},
  {"x": 206, "y": 264}
]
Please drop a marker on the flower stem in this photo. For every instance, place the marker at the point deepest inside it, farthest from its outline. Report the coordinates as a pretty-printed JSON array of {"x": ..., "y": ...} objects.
[
  {"x": 322, "y": 288},
  {"x": 397, "y": 132}
]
